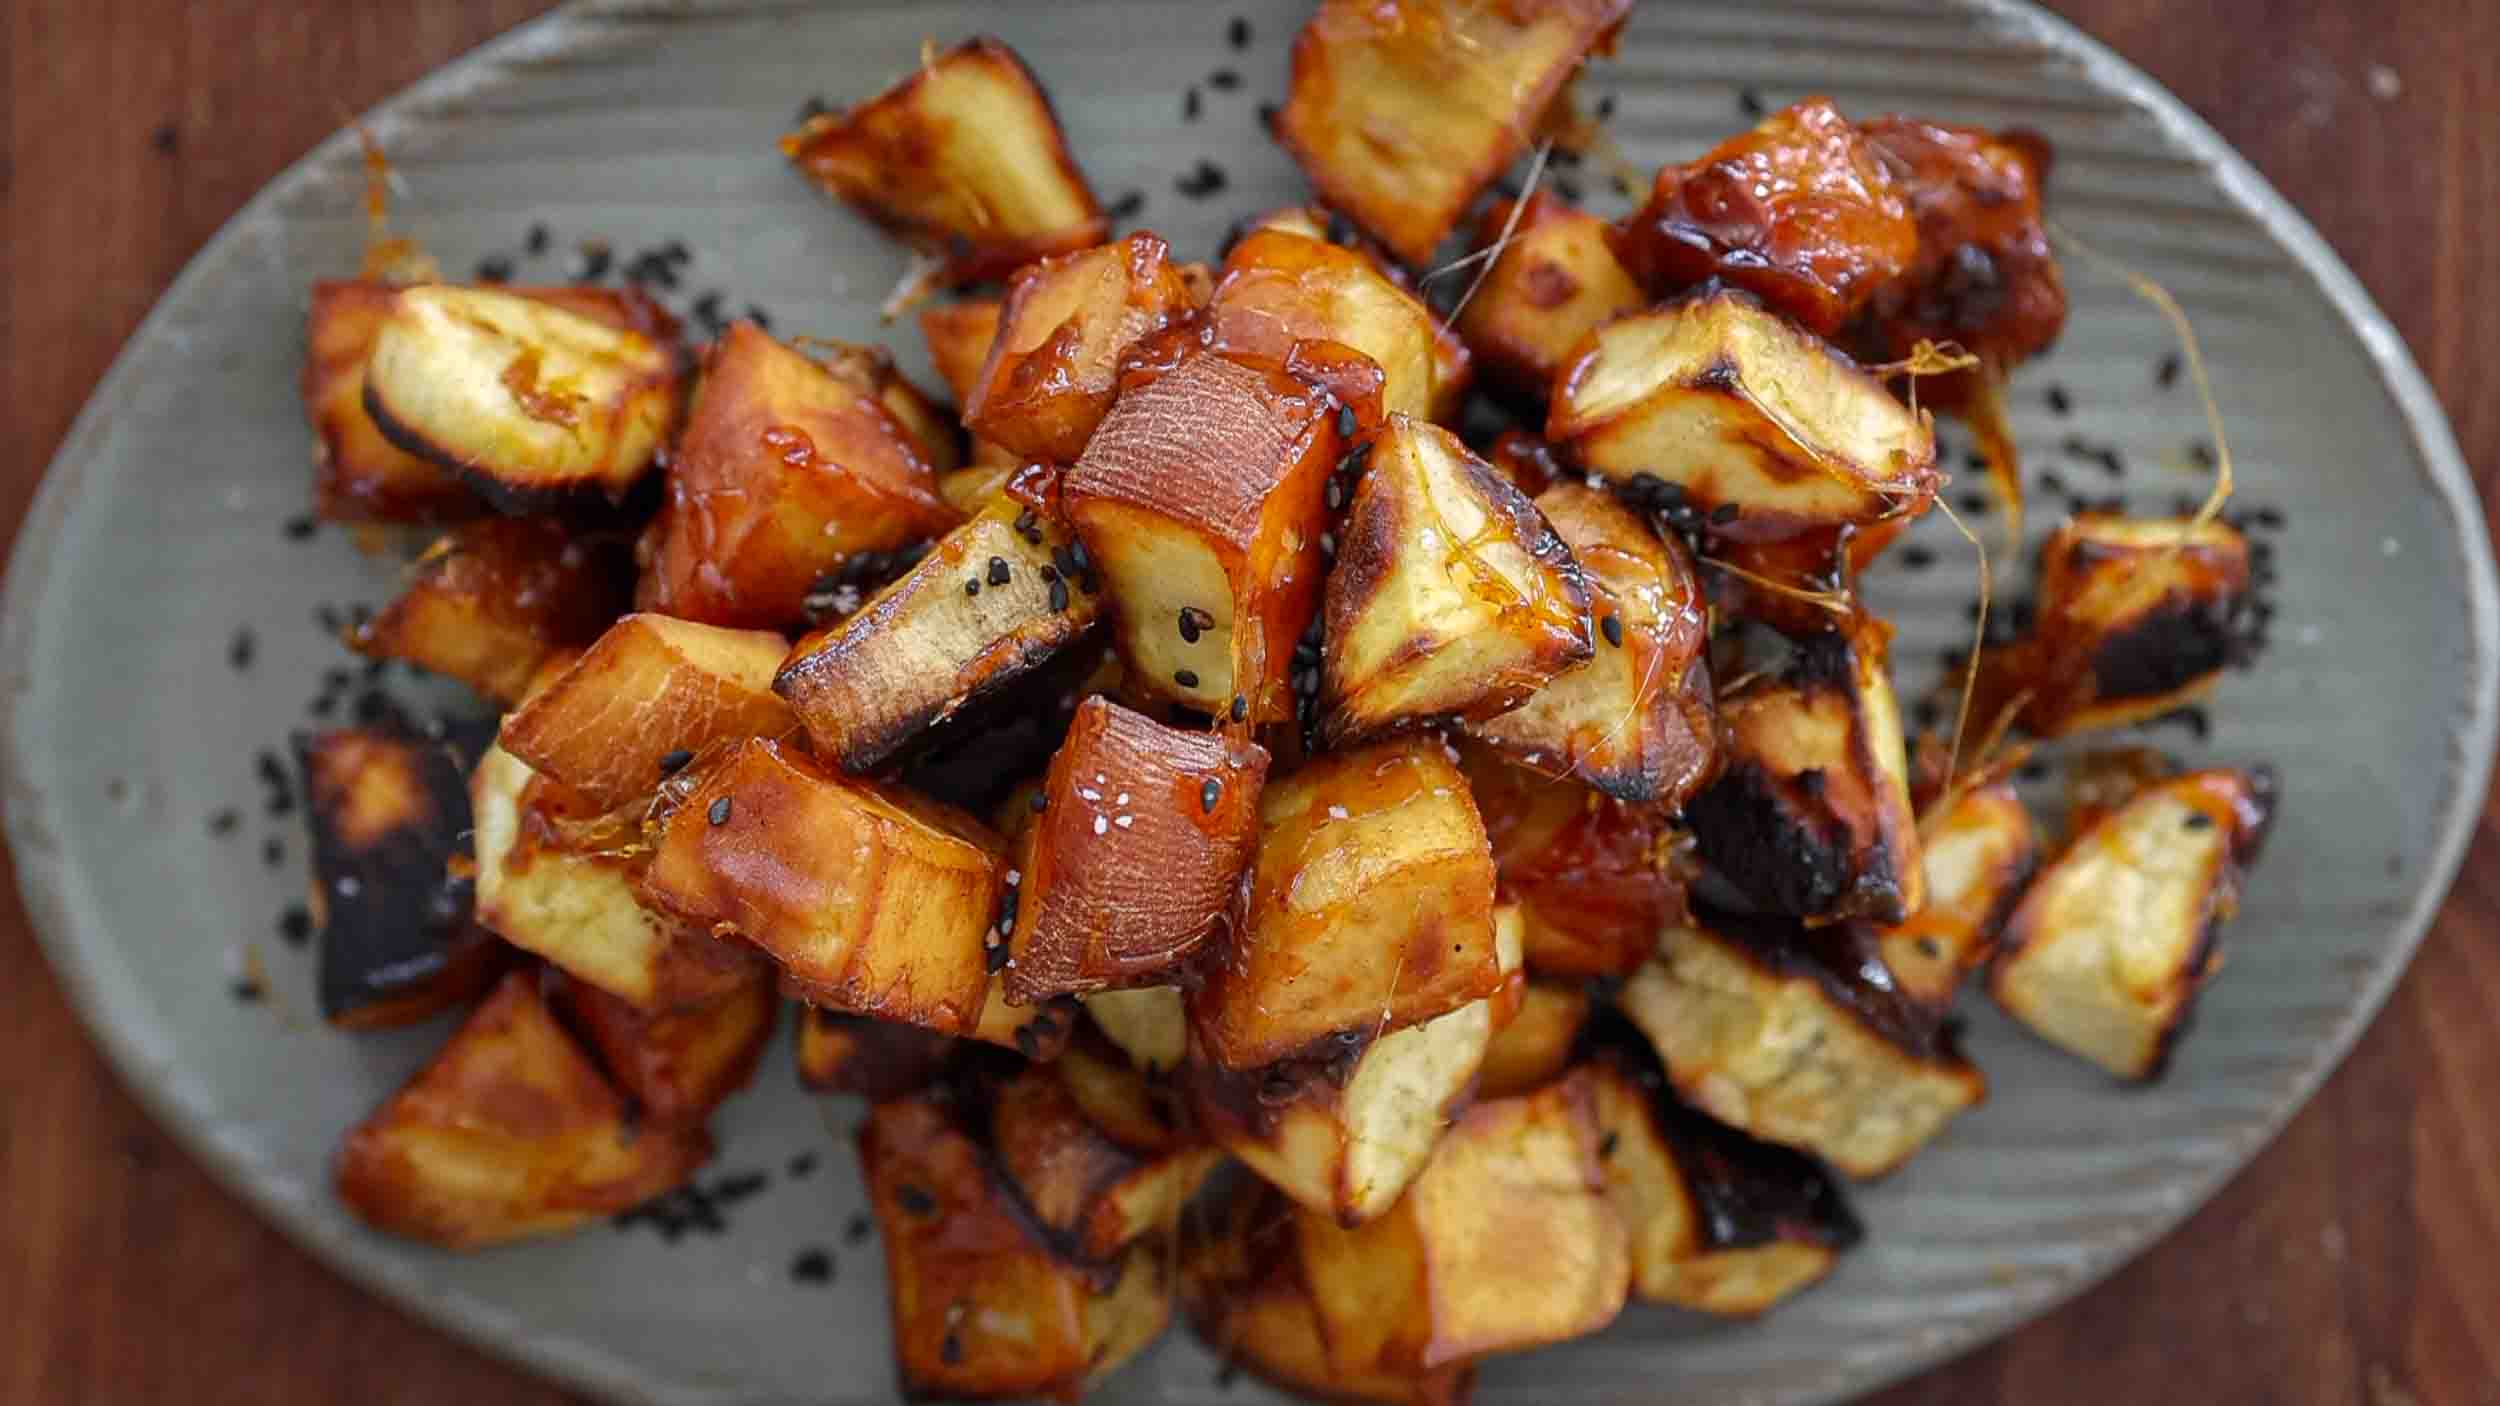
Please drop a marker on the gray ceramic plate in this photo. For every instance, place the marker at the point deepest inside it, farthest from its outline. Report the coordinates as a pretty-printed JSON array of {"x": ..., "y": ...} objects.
[{"x": 158, "y": 534}]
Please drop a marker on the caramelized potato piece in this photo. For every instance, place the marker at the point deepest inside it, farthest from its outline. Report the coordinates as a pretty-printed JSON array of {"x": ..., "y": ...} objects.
[
  {"x": 876, "y": 1059},
  {"x": 1977, "y": 856},
  {"x": 1595, "y": 878},
  {"x": 1135, "y": 862},
  {"x": 1452, "y": 595},
  {"x": 388, "y": 809},
  {"x": 1801, "y": 211},
  {"x": 963, "y": 160},
  {"x": 1150, "y": 1024},
  {"x": 508, "y": 1132},
  {"x": 493, "y": 600},
  {"x": 1810, "y": 814},
  {"x": 1719, "y": 1222},
  {"x": 1716, "y": 405},
  {"x": 1054, "y": 366},
  {"x": 1985, "y": 278},
  {"x": 1370, "y": 908},
  {"x": 1634, "y": 721},
  {"x": 983, "y": 1306},
  {"x": 1201, "y": 501},
  {"x": 643, "y": 699},
  {"x": 528, "y": 402},
  {"x": 1536, "y": 1047},
  {"x": 677, "y": 1065},
  {"x": 1797, "y": 1036},
  {"x": 1817, "y": 569},
  {"x": 359, "y": 476},
  {"x": 1098, "y": 1155},
  {"x": 1245, "y": 1290},
  {"x": 2134, "y": 617},
  {"x": 1401, "y": 113},
  {"x": 959, "y": 335},
  {"x": 977, "y": 484},
  {"x": 869, "y": 369},
  {"x": 1280, "y": 287},
  {"x": 2105, "y": 954},
  {"x": 578, "y": 909},
  {"x": 872, "y": 899},
  {"x": 786, "y": 470},
  {"x": 1555, "y": 282},
  {"x": 986, "y": 606}
]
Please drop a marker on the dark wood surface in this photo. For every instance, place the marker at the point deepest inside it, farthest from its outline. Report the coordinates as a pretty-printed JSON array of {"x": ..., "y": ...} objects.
[{"x": 2357, "y": 1261}]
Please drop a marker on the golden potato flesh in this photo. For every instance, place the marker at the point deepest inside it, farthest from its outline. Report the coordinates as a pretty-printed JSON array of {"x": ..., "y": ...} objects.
[
  {"x": 1150, "y": 1024},
  {"x": 577, "y": 909},
  {"x": 677, "y": 1065},
  {"x": 1201, "y": 501},
  {"x": 1103, "y": 1184},
  {"x": 871, "y": 899},
  {"x": 1451, "y": 595},
  {"x": 2110, "y": 944},
  {"x": 1135, "y": 860},
  {"x": 1978, "y": 855},
  {"x": 988, "y": 605},
  {"x": 1279, "y": 287},
  {"x": 1595, "y": 879},
  {"x": 1719, "y": 1222},
  {"x": 1370, "y": 908},
  {"x": 1634, "y": 719},
  {"x": 1054, "y": 366},
  {"x": 643, "y": 699},
  {"x": 491, "y": 601},
  {"x": 1555, "y": 282},
  {"x": 529, "y": 402},
  {"x": 1400, "y": 113},
  {"x": 982, "y": 1307},
  {"x": 869, "y": 369},
  {"x": 1713, "y": 404},
  {"x": 963, "y": 159},
  {"x": 785, "y": 471},
  {"x": 1810, "y": 814},
  {"x": 959, "y": 335},
  {"x": 1797, "y": 1036},
  {"x": 508, "y": 1132},
  {"x": 2133, "y": 617},
  {"x": 1535, "y": 1048}
]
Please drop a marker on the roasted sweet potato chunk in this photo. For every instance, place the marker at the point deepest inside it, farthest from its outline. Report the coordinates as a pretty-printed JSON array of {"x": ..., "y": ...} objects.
[
  {"x": 1370, "y": 908},
  {"x": 1713, "y": 404},
  {"x": 388, "y": 808},
  {"x": 1535, "y": 1048},
  {"x": 531, "y": 403},
  {"x": 1985, "y": 278},
  {"x": 1150, "y": 1024},
  {"x": 1801, "y": 211},
  {"x": 963, "y": 160},
  {"x": 959, "y": 335},
  {"x": 1798, "y": 1036},
  {"x": 786, "y": 470},
  {"x": 1452, "y": 595},
  {"x": 2109, "y": 946},
  {"x": 1401, "y": 113},
  {"x": 677, "y": 1065},
  {"x": 1810, "y": 814},
  {"x": 871, "y": 899},
  {"x": 493, "y": 600},
  {"x": 1201, "y": 501},
  {"x": 358, "y": 475},
  {"x": 1135, "y": 860},
  {"x": 1719, "y": 1222},
  {"x": 1280, "y": 287},
  {"x": 1054, "y": 366},
  {"x": 878, "y": 1060},
  {"x": 1634, "y": 720},
  {"x": 994, "y": 600},
  {"x": 508, "y": 1132},
  {"x": 2133, "y": 617},
  {"x": 1596, "y": 879},
  {"x": 1978, "y": 855},
  {"x": 1555, "y": 282},
  {"x": 983, "y": 1306},
  {"x": 1102, "y": 1157}
]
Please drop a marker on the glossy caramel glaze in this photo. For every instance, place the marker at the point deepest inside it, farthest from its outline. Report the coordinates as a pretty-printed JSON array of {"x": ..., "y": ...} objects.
[{"x": 1985, "y": 278}]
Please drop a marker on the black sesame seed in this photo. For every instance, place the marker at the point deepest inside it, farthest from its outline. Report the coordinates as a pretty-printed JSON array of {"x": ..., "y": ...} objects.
[
  {"x": 1224, "y": 80},
  {"x": 1000, "y": 573},
  {"x": 800, "y": 1166},
  {"x": 2060, "y": 403},
  {"x": 1606, "y": 1144},
  {"x": 166, "y": 139},
  {"x": 995, "y": 957},
  {"x": 719, "y": 813},
  {"x": 1191, "y": 106},
  {"x": 273, "y": 852},
  {"x": 2199, "y": 820},
  {"x": 1049, "y": 572},
  {"x": 1612, "y": 628},
  {"x": 813, "y": 108},
  {"x": 972, "y": 585},
  {"x": 1237, "y": 33},
  {"x": 674, "y": 762},
  {"x": 1127, "y": 206},
  {"x": 1750, "y": 102},
  {"x": 951, "y": 1349},
  {"x": 1975, "y": 504},
  {"x": 1929, "y": 947},
  {"x": 240, "y": 649},
  {"x": 536, "y": 243},
  {"x": 1193, "y": 623},
  {"x": 2166, "y": 374},
  {"x": 1918, "y": 558},
  {"x": 496, "y": 270},
  {"x": 1724, "y": 514},
  {"x": 295, "y": 925},
  {"x": 247, "y": 991},
  {"x": 225, "y": 821},
  {"x": 299, "y": 528},
  {"x": 1077, "y": 554},
  {"x": 1186, "y": 678},
  {"x": 1605, "y": 107},
  {"x": 1059, "y": 595},
  {"x": 1202, "y": 180},
  {"x": 858, "y": 1228},
  {"x": 914, "y": 1200},
  {"x": 1267, "y": 115},
  {"x": 595, "y": 262},
  {"x": 1347, "y": 425},
  {"x": 2111, "y": 462},
  {"x": 812, "y": 1267},
  {"x": 1210, "y": 793},
  {"x": 1041, "y": 802},
  {"x": 2201, "y": 454},
  {"x": 1241, "y": 707}
]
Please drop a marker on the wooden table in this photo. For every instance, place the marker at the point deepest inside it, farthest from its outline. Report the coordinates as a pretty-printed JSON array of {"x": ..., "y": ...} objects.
[{"x": 2358, "y": 1261}]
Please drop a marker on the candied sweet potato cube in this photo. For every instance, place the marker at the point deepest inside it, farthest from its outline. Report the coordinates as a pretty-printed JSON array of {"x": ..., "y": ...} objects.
[
  {"x": 959, "y": 335},
  {"x": 1201, "y": 500},
  {"x": 358, "y": 475},
  {"x": 1985, "y": 278},
  {"x": 871, "y": 899},
  {"x": 1402, "y": 112},
  {"x": 1279, "y": 287},
  {"x": 647, "y": 695},
  {"x": 1104, "y": 1184},
  {"x": 1135, "y": 861},
  {"x": 508, "y": 1132},
  {"x": 1595, "y": 878},
  {"x": 1150, "y": 1024},
  {"x": 493, "y": 600},
  {"x": 963, "y": 159},
  {"x": 1634, "y": 720},
  {"x": 1535, "y": 1048},
  {"x": 678, "y": 1065},
  {"x": 1555, "y": 282},
  {"x": 1370, "y": 908},
  {"x": 1978, "y": 856},
  {"x": 1053, "y": 369}
]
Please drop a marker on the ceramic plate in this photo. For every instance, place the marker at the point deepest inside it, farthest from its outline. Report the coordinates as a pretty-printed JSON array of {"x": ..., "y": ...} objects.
[{"x": 159, "y": 536}]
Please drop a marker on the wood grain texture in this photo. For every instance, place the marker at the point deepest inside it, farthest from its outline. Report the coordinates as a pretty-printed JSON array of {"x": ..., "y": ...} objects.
[{"x": 2357, "y": 1261}]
